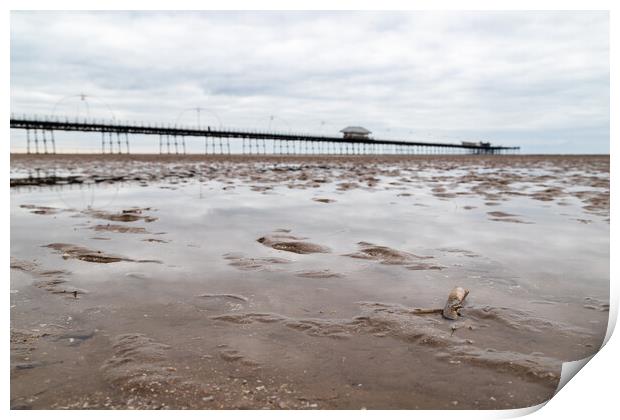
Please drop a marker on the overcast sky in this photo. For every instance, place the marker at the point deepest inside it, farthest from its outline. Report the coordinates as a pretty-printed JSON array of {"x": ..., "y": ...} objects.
[{"x": 535, "y": 79}]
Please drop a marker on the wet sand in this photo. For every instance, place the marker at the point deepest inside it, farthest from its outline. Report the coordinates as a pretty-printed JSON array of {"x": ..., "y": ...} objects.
[{"x": 298, "y": 282}]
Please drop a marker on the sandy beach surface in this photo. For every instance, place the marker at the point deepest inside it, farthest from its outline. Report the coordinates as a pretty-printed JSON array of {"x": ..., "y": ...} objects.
[{"x": 224, "y": 282}]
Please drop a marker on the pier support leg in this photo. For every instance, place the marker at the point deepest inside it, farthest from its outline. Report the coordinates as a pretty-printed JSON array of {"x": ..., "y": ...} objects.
[
  {"x": 44, "y": 141},
  {"x": 36, "y": 142},
  {"x": 28, "y": 141}
]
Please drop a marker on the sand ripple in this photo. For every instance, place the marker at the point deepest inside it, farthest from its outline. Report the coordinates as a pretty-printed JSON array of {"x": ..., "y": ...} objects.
[
  {"x": 128, "y": 215},
  {"x": 53, "y": 281},
  {"x": 249, "y": 264},
  {"x": 290, "y": 243},
  {"x": 448, "y": 340},
  {"x": 318, "y": 274},
  {"x": 140, "y": 366},
  {"x": 90, "y": 255},
  {"x": 387, "y": 255}
]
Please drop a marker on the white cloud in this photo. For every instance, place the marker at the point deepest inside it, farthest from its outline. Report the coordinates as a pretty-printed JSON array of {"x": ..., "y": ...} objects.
[{"x": 537, "y": 78}]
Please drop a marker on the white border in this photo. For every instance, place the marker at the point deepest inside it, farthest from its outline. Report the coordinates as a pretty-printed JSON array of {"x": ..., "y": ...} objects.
[{"x": 594, "y": 391}]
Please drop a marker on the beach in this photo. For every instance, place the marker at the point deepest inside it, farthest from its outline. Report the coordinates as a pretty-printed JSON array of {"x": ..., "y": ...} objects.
[{"x": 296, "y": 282}]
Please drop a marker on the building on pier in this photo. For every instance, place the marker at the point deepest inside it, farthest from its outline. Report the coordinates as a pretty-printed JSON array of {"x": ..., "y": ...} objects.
[
  {"x": 476, "y": 144},
  {"x": 355, "y": 132}
]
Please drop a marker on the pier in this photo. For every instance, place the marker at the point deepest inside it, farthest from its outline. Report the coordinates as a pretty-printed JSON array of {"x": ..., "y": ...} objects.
[{"x": 115, "y": 136}]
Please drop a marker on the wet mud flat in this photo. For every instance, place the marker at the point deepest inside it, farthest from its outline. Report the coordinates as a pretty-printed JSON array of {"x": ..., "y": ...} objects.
[{"x": 303, "y": 282}]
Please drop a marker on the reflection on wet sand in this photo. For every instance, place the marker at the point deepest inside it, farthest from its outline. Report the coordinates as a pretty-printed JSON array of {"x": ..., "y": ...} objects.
[{"x": 239, "y": 282}]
